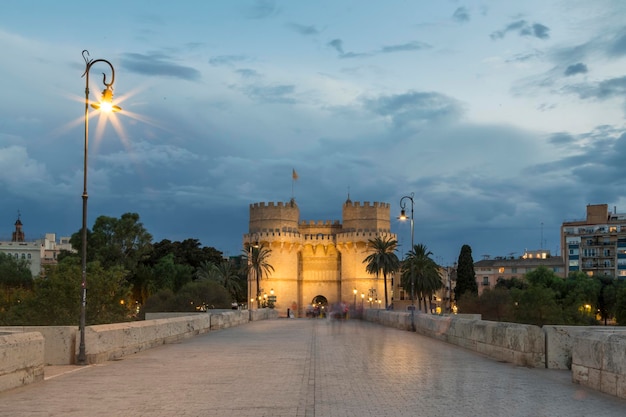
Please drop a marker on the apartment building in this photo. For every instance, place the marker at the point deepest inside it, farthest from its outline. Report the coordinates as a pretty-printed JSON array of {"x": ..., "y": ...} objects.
[
  {"x": 490, "y": 270},
  {"x": 597, "y": 244}
]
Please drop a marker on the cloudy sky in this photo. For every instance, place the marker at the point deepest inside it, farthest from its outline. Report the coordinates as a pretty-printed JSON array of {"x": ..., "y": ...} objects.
[{"x": 504, "y": 118}]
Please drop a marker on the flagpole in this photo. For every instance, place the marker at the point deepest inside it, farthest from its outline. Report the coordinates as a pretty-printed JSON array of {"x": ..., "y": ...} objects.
[{"x": 294, "y": 178}]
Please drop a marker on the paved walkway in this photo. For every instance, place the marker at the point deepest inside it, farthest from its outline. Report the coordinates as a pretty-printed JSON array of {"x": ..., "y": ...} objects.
[{"x": 308, "y": 368}]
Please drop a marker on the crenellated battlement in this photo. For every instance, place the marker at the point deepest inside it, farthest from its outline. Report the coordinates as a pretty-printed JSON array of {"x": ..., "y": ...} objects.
[
  {"x": 366, "y": 204},
  {"x": 366, "y": 215},
  {"x": 320, "y": 223},
  {"x": 263, "y": 204}
]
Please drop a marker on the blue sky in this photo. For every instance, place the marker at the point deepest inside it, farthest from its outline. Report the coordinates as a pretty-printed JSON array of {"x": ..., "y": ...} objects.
[{"x": 505, "y": 118}]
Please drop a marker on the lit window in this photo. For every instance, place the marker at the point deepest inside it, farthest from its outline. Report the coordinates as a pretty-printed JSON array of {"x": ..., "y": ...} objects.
[{"x": 501, "y": 270}]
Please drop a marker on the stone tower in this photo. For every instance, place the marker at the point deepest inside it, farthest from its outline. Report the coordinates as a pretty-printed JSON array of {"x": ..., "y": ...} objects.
[{"x": 317, "y": 262}]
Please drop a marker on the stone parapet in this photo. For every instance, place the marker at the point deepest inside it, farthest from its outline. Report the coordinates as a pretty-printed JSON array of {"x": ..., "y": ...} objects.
[
  {"x": 21, "y": 359},
  {"x": 599, "y": 362},
  {"x": 263, "y": 314},
  {"x": 60, "y": 342},
  {"x": 560, "y": 342},
  {"x": 519, "y": 344},
  {"x": 112, "y": 341}
]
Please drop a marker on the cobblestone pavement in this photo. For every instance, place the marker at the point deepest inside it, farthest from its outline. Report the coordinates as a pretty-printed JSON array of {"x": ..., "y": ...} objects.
[{"x": 308, "y": 368}]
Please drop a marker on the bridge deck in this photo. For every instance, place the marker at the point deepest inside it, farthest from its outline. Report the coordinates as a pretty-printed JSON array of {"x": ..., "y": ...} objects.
[{"x": 307, "y": 367}]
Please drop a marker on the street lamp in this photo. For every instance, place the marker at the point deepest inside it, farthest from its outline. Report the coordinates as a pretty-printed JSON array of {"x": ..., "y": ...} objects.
[
  {"x": 250, "y": 269},
  {"x": 105, "y": 105},
  {"x": 404, "y": 217}
]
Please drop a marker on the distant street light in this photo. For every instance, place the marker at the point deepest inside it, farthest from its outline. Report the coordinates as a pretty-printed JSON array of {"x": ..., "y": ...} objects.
[
  {"x": 251, "y": 245},
  {"x": 404, "y": 217},
  {"x": 106, "y": 105}
]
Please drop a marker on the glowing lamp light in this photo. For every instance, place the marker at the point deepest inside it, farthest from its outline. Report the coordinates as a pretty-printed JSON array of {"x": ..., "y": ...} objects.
[{"x": 106, "y": 102}]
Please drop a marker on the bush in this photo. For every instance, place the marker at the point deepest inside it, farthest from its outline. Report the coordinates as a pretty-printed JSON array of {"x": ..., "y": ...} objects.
[{"x": 194, "y": 296}]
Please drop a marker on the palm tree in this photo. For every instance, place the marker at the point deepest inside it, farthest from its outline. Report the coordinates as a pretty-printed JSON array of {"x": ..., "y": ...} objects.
[
  {"x": 256, "y": 258},
  {"x": 421, "y": 274},
  {"x": 224, "y": 273},
  {"x": 383, "y": 259}
]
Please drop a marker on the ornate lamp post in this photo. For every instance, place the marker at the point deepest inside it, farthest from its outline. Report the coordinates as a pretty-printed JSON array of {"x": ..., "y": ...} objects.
[
  {"x": 403, "y": 216},
  {"x": 251, "y": 245},
  {"x": 105, "y": 105}
]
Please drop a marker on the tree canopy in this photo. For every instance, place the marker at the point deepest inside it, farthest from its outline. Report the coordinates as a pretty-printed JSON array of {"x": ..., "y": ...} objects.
[
  {"x": 466, "y": 277},
  {"x": 382, "y": 259}
]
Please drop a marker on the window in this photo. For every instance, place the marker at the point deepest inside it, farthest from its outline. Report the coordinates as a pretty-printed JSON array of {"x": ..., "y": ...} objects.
[
  {"x": 28, "y": 256},
  {"x": 607, "y": 252},
  {"x": 23, "y": 256},
  {"x": 485, "y": 281},
  {"x": 501, "y": 270},
  {"x": 514, "y": 270}
]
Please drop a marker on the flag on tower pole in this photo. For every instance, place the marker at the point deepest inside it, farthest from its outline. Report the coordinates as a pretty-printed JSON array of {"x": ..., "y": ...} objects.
[{"x": 294, "y": 177}]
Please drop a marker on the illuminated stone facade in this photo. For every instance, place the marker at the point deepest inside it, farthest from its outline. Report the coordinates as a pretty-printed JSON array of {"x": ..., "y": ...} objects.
[{"x": 318, "y": 261}]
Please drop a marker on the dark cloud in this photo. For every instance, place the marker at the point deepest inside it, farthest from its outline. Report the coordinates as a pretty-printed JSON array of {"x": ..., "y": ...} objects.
[
  {"x": 613, "y": 87},
  {"x": 574, "y": 69},
  {"x": 461, "y": 14},
  {"x": 247, "y": 73},
  {"x": 595, "y": 162},
  {"x": 416, "y": 107},
  {"x": 262, "y": 9},
  {"x": 304, "y": 29},
  {"x": 158, "y": 64},
  {"x": 561, "y": 138},
  {"x": 540, "y": 31},
  {"x": 271, "y": 94},
  {"x": 337, "y": 45},
  {"x": 228, "y": 59},
  {"x": 409, "y": 46},
  {"x": 618, "y": 46},
  {"x": 523, "y": 28}
]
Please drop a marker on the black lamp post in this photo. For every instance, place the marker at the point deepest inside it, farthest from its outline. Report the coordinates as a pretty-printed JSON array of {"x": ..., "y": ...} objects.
[
  {"x": 105, "y": 105},
  {"x": 403, "y": 216}
]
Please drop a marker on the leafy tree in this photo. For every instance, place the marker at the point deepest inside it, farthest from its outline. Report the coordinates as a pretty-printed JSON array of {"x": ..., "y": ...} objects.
[
  {"x": 511, "y": 283},
  {"x": 167, "y": 274},
  {"x": 257, "y": 262},
  {"x": 383, "y": 259},
  {"x": 495, "y": 304},
  {"x": 421, "y": 274},
  {"x": 620, "y": 303},
  {"x": 55, "y": 299},
  {"x": 536, "y": 305},
  {"x": 188, "y": 252},
  {"x": 579, "y": 298},
  {"x": 194, "y": 296},
  {"x": 607, "y": 298},
  {"x": 116, "y": 242},
  {"x": 466, "y": 277},
  {"x": 14, "y": 274},
  {"x": 224, "y": 274}
]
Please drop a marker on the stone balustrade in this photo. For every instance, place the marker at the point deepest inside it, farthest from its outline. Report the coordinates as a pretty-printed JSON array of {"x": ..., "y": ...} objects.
[
  {"x": 21, "y": 359},
  {"x": 599, "y": 362},
  {"x": 519, "y": 344}
]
